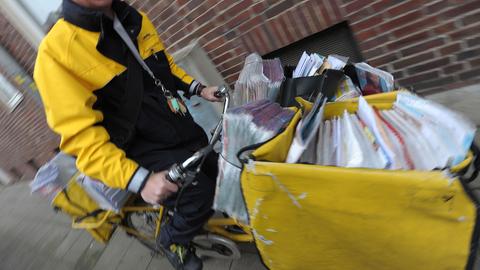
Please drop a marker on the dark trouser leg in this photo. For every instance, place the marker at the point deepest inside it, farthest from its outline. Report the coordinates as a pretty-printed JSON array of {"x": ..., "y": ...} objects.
[
  {"x": 193, "y": 211},
  {"x": 194, "y": 208}
]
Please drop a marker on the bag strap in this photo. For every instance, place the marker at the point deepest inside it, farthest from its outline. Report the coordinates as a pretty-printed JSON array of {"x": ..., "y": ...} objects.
[
  {"x": 79, "y": 207},
  {"x": 241, "y": 153},
  {"x": 122, "y": 131},
  {"x": 117, "y": 25},
  {"x": 94, "y": 213},
  {"x": 475, "y": 165},
  {"x": 80, "y": 223}
]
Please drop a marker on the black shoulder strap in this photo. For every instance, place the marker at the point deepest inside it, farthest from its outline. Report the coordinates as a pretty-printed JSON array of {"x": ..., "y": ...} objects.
[{"x": 132, "y": 101}]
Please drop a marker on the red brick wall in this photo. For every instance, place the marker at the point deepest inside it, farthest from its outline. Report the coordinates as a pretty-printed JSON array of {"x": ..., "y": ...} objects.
[
  {"x": 16, "y": 45},
  {"x": 24, "y": 134},
  {"x": 430, "y": 45}
]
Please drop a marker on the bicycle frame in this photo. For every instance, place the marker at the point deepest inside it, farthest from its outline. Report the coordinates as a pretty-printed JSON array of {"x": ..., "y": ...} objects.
[{"x": 214, "y": 225}]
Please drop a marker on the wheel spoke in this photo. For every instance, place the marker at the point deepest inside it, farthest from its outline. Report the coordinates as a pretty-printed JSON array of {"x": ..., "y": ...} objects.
[{"x": 144, "y": 223}]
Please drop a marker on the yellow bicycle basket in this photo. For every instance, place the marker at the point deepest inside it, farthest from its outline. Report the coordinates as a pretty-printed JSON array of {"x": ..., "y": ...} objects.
[{"x": 320, "y": 217}]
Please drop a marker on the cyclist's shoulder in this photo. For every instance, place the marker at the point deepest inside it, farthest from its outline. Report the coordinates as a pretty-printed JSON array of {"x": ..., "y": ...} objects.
[
  {"x": 57, "y": 38},
  {"x": 64, "y": 38}
]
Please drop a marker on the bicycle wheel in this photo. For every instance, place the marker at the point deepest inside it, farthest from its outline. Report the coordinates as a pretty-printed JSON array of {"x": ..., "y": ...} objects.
[{"x": 143, "y": 225}]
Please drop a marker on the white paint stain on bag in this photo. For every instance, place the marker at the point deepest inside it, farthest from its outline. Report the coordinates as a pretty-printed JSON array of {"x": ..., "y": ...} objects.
[
  {"x": 251, "y": 168},
  {"x": 261, "y": 238},
  {"x": 285, "y": 189},
  {"x": 302, "y": 196},
  {"x": 256, "y": 207}
]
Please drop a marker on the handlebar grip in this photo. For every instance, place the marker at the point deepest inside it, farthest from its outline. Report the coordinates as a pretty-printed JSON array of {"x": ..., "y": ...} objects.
[
  {"x": 167, "y": 176},
  {"x": 175, "y": 174},
  {"x": 220, "y": 92}
]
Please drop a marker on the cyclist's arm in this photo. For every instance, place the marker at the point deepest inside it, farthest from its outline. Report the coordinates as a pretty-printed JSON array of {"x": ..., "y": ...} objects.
[{"x": 68, "y": 107}]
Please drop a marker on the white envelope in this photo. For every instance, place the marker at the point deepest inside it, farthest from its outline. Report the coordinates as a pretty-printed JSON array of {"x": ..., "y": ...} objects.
[
  {"x": 306, "y": 130},
  {"x": 367, "y": 115},
  {"x": 374, "y": 158}
]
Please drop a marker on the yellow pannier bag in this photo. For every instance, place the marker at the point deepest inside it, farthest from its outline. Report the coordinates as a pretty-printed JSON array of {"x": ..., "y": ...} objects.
[
  {"x": 85, "y": 212},
  {"x": 323, "y": 217}
]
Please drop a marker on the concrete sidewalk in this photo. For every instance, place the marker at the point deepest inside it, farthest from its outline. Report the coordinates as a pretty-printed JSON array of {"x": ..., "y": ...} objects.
[{"x": 34, "y": 237}]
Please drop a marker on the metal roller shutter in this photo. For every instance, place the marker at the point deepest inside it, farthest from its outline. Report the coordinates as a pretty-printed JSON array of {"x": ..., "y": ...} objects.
[{"x": 337, "y": 39}]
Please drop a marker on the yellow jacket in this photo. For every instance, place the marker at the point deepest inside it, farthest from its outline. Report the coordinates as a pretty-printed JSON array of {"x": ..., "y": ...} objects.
[{"x": 70, "y": 68}]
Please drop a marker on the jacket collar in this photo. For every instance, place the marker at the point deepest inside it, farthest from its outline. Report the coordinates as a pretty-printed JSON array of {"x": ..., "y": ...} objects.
[
  {"x": 92, "y": 19},
  {"x": 88, "y": 19},
  {"x": 109, "y": 43}
]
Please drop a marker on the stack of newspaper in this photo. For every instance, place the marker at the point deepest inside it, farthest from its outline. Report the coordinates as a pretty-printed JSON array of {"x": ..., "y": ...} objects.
[
  {"x": 416, "y": 134},
  {"x": 370, "y": 80},
  {"x": 308, "y": 65},
  {"x": 52, "y": 177},
  {"x": 259, "y": 79},
  {"x": 246, "y": 125},
  {"x": 373, "y": 80}
]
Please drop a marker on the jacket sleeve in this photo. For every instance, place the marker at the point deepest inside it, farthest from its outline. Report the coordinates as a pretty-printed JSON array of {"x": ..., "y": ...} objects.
[
  {"x": 68, "y": 107},
  {"x": 183, "y": 81}
]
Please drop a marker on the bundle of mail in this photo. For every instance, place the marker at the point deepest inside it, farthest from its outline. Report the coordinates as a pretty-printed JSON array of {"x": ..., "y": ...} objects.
[
  {"x": 370, "y": 80},
  {"x": 415, "y": 134},
  {"x": 245, "y": 125},
  {"x": 315, "y": 64},
  {"x": 259, "y": 79},
  {"x": 54, "y": 176}
]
